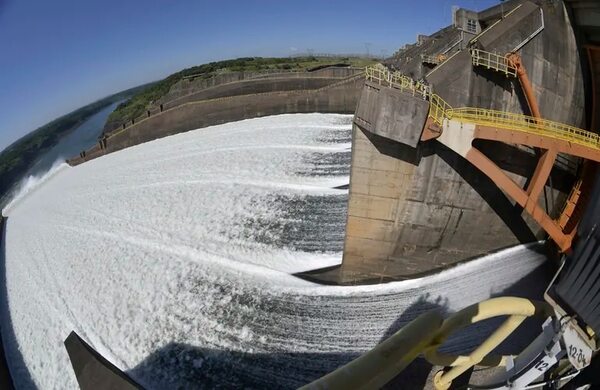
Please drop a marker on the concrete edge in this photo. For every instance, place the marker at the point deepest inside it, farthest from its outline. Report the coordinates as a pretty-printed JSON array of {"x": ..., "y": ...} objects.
[
  {"x": 93, "y": 371},
  {"x": 95, "y": 151},
  {"x": 6, "y": 381}
]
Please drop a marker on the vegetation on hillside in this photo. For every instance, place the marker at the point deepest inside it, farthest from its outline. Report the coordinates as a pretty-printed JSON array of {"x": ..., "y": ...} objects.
[{"x": 139, "y": 103}]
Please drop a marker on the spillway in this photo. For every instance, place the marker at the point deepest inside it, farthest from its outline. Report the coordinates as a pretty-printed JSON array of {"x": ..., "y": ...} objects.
[{"x": 174, "y": 259}]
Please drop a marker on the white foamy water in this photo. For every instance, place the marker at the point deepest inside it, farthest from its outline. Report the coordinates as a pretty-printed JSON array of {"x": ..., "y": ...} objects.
[
  {"x": 30, "y": 183},
  {"x": 174, "y": 260}
]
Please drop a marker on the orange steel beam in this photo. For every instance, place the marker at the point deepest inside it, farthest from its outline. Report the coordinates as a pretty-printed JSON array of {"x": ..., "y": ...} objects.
[
  {"x": 536, "y": 140},
  {"x": 431, "y": 130},
  {"x": 529, "y": 201},
  {"x": 459, "y": 137},
  {"x": 515, "y": 60},
  {"x": 540, "y": 175}
]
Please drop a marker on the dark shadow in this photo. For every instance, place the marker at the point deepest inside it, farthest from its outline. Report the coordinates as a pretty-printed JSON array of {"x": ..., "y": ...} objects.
[
  {"x": 586, "y": 72},
  {"x": 416, "y": 374},
  {"x": 484, "y": 186},
  {"x": 399, "y": 150},
  {"x": 531, "y": 286},
  {"x": 516, "y": 86},
  {"x": 488, "y": 190},
  {"x": 179, "y": 365},
  {"x": 182, "y": 366},
  {"x": 9, "y": 341},
  {"x": 521, "y": 162},
  {"x": 494, "y": 77}
]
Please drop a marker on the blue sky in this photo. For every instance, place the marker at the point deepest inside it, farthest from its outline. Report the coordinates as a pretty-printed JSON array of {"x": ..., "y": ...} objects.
[{"x": 59, "y": 55}]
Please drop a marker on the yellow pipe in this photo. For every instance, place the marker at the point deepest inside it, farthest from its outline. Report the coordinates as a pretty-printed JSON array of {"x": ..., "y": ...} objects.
[
  {"x": 442, "y": 381},
  {"x": 378, "y": 366},
  {"x": 478, "y": 312}
]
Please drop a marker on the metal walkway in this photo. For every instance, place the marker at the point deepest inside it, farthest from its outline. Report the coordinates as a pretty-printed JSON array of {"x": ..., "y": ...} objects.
[
  {"x": 441, "y": 111},
  {"x": 457, "y": 128}
]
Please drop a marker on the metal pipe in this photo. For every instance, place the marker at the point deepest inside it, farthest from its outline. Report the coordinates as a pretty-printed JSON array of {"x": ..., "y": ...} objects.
[
  {"x": 378, "y": 366},
  {"x": 515, "y": 60}
]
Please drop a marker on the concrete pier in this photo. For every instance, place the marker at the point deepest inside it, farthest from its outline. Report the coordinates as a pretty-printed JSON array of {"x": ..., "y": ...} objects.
[{"x": 418, "y": 207}]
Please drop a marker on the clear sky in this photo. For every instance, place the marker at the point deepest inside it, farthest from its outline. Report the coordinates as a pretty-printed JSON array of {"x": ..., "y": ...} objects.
[{"x": 59, "y": 55}]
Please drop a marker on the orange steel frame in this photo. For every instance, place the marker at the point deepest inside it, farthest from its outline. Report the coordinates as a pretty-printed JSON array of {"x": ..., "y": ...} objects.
[
  {"x": 514, "y": 59},
  {"x": 528, "y": 197},
  {"x": 561, "y": 232},
  {"x": 563, "y": 229}
]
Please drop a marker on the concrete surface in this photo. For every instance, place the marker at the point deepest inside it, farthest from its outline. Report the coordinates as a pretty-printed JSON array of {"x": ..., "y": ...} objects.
[
  {"x": 230, "y": 83},
  {"x": 337, "y": 97},
  {"x": 414, "y": 210},
  {"x": 392, "y": 114},
  {"x": 93, "y": 371}
]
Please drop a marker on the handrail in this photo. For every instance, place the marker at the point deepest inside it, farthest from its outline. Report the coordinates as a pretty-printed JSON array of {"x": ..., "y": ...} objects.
[
  {"x": 493, "y": 61},
  {"x": 526, "y": 123},
  {"x": 460, "y": 39},
  {"x": 432, "y": 59},
  {"x": 396, "y": 80},
  {"x": 440, "y": 110}
]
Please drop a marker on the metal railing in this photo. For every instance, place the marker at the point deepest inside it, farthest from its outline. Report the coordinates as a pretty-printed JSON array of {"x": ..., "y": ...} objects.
[
  {"x": 396, "y": 80},
  {"x": 525, "y": 123},
  {"x": 493, "y": 61},
  {"x": 433, "y": 59},
  {"x": 430, "y": 59},
  {"x": 440, "y": 110}
]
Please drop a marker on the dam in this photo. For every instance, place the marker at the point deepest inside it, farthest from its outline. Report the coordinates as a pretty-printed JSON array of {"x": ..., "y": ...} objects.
[
  {"x": 416, "y": 205},
  {"x": 465, "y": 161}
]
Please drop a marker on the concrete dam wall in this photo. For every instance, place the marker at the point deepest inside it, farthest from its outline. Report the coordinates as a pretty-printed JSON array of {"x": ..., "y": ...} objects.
[
  {"x": 232, "y": 102},
  {"x": 238, "y": 83},
  {"x": 415, "y": 207}
]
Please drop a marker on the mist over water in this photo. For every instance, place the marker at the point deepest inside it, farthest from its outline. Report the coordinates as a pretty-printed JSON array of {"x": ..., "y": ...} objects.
[
  {"x": 31, "y": 182},
  {"x": 81, "y": 138},
  {"x": 174, "y": 259}
]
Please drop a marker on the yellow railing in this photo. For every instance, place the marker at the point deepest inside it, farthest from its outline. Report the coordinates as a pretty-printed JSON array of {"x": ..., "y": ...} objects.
[
  {"x": 524, "y": 123},
  {"x": 397, "y": 80},
  {"x": 439, "y": 110},
  {"x": 492, "y": 61}
]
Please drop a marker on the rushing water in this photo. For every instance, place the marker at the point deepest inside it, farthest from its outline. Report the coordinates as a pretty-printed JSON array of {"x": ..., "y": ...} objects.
[
  {"x": 80, "y": 138},
  {"x": 174, "y": 259}
]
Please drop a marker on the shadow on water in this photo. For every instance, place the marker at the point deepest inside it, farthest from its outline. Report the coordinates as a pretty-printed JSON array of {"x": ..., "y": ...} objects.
[
  {"x": 309, "y": 223},
  {"x": 19, "y": 372},
  {"x": 178, "y": 365},
  {"x": 531, "y": 286},
  {"x": 416, "y": 374}
]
